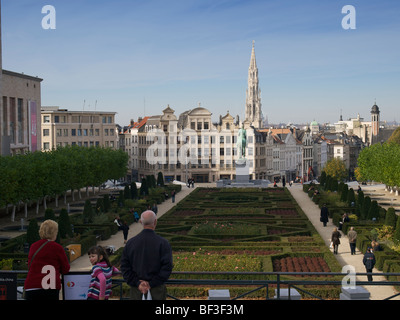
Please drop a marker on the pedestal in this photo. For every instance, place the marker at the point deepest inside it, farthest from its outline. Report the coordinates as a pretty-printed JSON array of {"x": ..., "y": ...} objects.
[
  {"x": 242, "y": 171},
  {"x": 219, "y": 294},
  {"x": 358, "y": 293},
  {"x": 284, "y": 294}
]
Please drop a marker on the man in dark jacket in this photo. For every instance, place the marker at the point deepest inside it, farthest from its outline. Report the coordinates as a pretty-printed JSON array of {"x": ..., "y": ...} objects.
[
  {"x": 146, "y": 262},
  {"x": 324, "y": 215},
  {"x": 369, "y": 262}
]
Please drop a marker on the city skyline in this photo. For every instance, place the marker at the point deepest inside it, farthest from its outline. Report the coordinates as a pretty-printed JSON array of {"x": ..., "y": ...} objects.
[{"x": 137, "y": 58}]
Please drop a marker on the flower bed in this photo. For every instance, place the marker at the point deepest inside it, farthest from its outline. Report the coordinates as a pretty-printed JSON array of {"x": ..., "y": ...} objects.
[
  {"x": 301, "y": 264},
  {"x": 215, "y": 261},
  {"x": 225, "y": 228},
  {"x": 283, "y": 212}
]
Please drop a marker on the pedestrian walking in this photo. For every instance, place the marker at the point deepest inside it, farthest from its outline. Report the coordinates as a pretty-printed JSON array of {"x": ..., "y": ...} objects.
[
  {"x": 146, "y": 261},
  {"x": 324, "y": 218},
  {"x": 352, "y": 236},
  {"x": 173, "y": 196},
  {"x": 369, "y": 262},
  {"x": 125, "y": 230},
  {"x": 335, "y": 240}
]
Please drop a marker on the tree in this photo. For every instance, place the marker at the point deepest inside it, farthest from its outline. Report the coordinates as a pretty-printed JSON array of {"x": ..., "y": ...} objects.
[
  {"x": 396, "y": 235},
  {"x": 64, "y": 224},
  {"x": 391, "y": 217},
  {"x": 365, "y": 207},
  {"x": 344, "y": 191},
  {"x": 351, "y": 197},
  {"x": 144, "y": 189},
  {"x": 322, "y": 179},
  {"x": 32, "y": 234},
  {"x": 121, "y": 199},
  {"x": 49, "y": 215},
  {"x": 336, "y": 168},
  {"x": 373, "y": 212},
  {"x": 127, "y": 192},
  {"x": 395, "y": 137},
  {"x": 106, "y": 203},
  {"x": 88, "y": 212},
  {"x": 134, "y": 191},
  {"x": 160, "y": 179}
]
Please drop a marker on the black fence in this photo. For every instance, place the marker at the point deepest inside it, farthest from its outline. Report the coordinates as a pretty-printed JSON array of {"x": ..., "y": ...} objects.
[{"x": 276, "y": 280}]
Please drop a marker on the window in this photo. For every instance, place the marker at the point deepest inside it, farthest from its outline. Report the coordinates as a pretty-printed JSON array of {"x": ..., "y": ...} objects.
[
  {"x": 73, "y": 132},
  {"x": 65, "y": 132},
  {"x": 46, "y": 119},
  {"x": 56, "y": 119},
  {"x": 79, "y": 132},
  {"x": 59, "y": 132},
  {"x": 46, "y": 132},
  {"x": 46, "y": 146}
]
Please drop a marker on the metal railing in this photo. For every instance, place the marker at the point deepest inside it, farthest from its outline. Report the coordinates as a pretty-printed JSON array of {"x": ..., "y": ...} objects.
[{"x": 277, "y": 280}]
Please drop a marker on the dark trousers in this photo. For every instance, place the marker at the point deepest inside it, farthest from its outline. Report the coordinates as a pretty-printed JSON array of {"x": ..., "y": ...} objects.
[
  {"x": 353, "y": 247},
  {"x": 335, "y": 248},
  {"x": 157, "y": 293},
  {"x": 42, "y": 294},
  {"x": 369, "y": 276}
]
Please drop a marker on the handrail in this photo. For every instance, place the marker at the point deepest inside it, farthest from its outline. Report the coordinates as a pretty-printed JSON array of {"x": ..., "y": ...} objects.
[{"x": 279, "y": 280}]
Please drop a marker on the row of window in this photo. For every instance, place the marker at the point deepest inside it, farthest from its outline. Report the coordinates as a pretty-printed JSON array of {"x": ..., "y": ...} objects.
[
  {"x": 78, "y": 132},
  {"x": 107, "y": 144},
  {"x": 79, "y": 119}
]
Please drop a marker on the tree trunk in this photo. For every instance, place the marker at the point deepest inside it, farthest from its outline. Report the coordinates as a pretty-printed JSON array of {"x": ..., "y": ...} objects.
[{"x": 13, "y": 213}]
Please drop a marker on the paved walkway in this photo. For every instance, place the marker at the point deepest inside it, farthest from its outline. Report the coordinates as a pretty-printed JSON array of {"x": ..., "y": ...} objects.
[
  {"x": 344, "y": 256},
  {"x": 117, "y": 240}
]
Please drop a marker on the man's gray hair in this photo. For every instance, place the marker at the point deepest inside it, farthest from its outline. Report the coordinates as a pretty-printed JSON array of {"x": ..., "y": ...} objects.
[{"x": 148, "y": 217}]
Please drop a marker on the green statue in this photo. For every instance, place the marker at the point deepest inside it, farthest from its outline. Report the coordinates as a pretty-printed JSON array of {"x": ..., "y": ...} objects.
[{"x": 241, "y": 143}]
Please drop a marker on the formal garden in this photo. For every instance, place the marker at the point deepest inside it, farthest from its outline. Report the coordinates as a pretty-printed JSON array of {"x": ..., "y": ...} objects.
[{"x": 233, "y": 231}]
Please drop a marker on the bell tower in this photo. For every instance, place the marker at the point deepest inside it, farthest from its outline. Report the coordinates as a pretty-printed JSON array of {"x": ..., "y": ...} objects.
[{"x": 253, "y": 94}]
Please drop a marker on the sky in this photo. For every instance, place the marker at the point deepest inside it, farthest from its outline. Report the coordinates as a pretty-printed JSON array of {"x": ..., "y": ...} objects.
[{"x": 137, "y": 57}]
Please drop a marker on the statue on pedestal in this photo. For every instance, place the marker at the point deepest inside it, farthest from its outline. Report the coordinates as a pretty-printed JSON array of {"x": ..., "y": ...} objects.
[{"x": 241, "y": 144}]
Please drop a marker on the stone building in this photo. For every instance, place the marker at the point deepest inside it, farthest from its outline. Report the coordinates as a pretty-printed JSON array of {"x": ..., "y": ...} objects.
[
  {"x": 20, "y": 113},
  {"x": 61, "y": 127}
]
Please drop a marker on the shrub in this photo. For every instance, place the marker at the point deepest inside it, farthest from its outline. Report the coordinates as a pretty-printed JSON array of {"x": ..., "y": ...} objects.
[
  {"x": 64, "y": 224},
  {"x": 396, "y": 235},
  {"x": 32, "y": 234},
  {"x": 49, "y": 214},
  {"x": 88, "y": 212},
  {"x": 390, "y": 219},
  {"x": 106, "y": 203},
  {"x": 373, "y": 212}
]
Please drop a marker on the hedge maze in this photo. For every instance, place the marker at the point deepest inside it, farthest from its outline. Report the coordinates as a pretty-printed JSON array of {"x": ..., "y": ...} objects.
[{"x": 237, "y": 230}]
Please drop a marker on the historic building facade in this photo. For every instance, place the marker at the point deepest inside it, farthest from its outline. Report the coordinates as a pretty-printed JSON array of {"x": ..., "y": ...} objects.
[
  {"x": 61, "y": 127},
  {"x": 190, "y": 145}
]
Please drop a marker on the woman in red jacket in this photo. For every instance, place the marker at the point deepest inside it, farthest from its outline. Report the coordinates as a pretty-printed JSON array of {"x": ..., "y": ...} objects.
[{"x": 47, "y": 261}]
